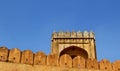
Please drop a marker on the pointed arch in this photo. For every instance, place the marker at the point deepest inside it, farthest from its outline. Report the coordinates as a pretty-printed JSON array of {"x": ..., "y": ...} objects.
[{"x": 74, "y": 51}]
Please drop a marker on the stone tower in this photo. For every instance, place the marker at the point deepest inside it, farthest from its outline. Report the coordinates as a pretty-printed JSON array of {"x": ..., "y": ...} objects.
[{"x": 74, "y": 44}]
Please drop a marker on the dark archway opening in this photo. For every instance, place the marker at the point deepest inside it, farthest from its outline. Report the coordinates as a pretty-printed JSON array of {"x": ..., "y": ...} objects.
[{"x": 74, "y": 51}]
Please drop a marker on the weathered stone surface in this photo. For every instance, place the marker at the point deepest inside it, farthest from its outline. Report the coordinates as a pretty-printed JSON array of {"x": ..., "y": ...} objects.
[
  {"x": 40, "y": 58},
  {"x": 116, "y": 65},
  {"x": 86, "y": 34},
  {"x": 27, "y": 57},
  {"x": 73, "y": 34},
  {"x": 14, "y": 55},
  {"x": 5, "y": 66},
  {"x": 91, "y": 64},
  {"x": 4, "y": 53},
  {"x": 92, "y": 35},
  {"x": 79, "y": 62},
  {"x": 52, "y": 60},
  {"x": 79, "y": 34},
  {"x": 84, "y": 40},
  {"x": 95, "y": 64},
  {"x": 65, "y": 61},
  {"x": 105, "y": 65}
]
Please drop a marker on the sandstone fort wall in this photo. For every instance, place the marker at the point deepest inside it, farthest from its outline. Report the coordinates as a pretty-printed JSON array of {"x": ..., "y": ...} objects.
[{"x": 27, "y": 57}]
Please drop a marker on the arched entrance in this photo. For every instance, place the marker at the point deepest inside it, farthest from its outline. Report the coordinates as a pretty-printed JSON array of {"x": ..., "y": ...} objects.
[{"x": 74, "y": 51}]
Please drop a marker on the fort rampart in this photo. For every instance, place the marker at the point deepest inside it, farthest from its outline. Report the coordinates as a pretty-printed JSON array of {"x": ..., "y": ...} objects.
[{"x": 27, "y": 57}]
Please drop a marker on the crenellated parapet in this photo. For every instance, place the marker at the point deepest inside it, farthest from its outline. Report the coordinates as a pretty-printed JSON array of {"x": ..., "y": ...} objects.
[
  {"x": 65, "y": 61},
  {"x": 40, "y": 58},
  {"x": 116, "y": 65},
  {"x": 4, "y": 53},
  {"x": 73, "y": 34},
  {"x": 14, "y": 55},
  {"x": 27, "y": 57}
]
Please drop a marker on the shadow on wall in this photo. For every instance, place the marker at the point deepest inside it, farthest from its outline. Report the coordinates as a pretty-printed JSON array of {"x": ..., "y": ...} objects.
[
  {"x": 74, "y": 51},
  {"x": 39, "y": 58}
]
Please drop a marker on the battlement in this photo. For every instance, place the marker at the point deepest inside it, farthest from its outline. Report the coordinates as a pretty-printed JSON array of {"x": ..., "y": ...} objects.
[
  {"x": 73, "y": 34},
  {"x": 65, "y": 61},
  {"x": 70, "y": 51}
]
